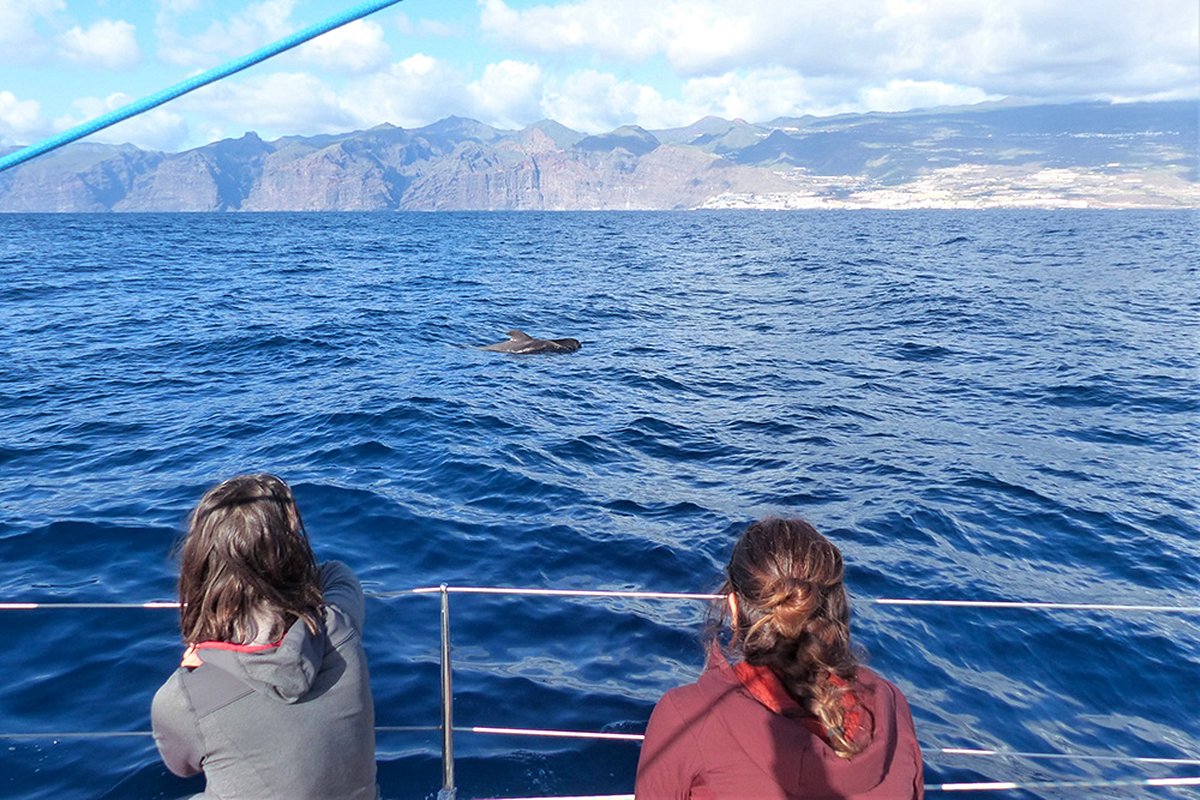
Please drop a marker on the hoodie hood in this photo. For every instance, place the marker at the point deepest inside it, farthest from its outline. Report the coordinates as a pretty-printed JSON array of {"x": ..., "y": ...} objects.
[
  {"x": 818, "y": 772},
  {"x": 285, "y": 672}
]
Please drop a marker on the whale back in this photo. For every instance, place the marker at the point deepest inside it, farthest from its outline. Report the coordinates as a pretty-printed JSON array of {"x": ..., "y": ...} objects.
[
  {"x": 565, "y": 345},
  {"x": 521, "y": 343}
]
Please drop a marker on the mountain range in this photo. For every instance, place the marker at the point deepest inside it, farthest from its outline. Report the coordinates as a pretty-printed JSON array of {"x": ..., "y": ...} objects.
[{"x": 989, "y": 155}]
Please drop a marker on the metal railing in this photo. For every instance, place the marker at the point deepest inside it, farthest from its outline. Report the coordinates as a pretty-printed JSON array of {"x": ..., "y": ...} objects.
[{"x": 447, "y": 728}]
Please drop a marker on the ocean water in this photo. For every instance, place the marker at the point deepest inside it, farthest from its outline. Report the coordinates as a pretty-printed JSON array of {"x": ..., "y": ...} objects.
[{"x": 995, "y": 406}]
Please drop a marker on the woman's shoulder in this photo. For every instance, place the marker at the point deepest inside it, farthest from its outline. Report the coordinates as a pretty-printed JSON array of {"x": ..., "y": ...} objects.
[
  {"x": 881, "y": 695},
  {"x": 170, "y": 700},
  {"x": 871, "y": 680},
  {"x": 344, "y": 600},
  {"x": 712, "y": 684},
  {"x": 337, "y": 574},
  {"x": 686, "y": 694},
  {"x": 172, "y": 685}
]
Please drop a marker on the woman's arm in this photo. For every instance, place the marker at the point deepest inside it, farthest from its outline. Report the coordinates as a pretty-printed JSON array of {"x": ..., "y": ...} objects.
[
  {"x": 175, "y": 732},
  {"x": 904, "y": 723},
  {"x": 343, "y": 590}
]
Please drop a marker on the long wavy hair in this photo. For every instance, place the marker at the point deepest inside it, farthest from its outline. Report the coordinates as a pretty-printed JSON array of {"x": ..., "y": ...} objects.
[
  {"x": 793, "y": 616},
  {"x": 246, "y": 568}
]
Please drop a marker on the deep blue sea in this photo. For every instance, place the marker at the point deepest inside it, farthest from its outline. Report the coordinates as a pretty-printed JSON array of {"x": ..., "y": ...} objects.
[{"x": 989, "y": 405}]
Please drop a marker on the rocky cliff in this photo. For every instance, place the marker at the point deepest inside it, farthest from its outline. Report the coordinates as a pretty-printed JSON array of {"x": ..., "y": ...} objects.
[{"x": 1094, "y": 154}]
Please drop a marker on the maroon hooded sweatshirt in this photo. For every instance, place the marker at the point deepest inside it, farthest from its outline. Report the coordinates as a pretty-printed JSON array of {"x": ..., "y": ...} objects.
[{"x": 713, "y": 740}]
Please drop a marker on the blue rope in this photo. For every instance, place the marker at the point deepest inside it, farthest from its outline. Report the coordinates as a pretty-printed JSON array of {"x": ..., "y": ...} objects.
[{"x": 203, "y": 79}]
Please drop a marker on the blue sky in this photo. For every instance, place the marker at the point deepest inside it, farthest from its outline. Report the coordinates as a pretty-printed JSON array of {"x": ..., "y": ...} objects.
[{"x": 590, "y": 64}]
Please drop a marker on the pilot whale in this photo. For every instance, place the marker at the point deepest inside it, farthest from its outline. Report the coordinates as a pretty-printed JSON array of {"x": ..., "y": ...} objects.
[{"x": 521, "y": 343}]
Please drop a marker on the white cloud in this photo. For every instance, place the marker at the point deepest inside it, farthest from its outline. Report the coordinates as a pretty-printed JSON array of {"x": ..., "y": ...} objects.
[
  {"x": 177, "y": 6},
  {"x": 755, "y": 96},
  {"x": 19, "y": 14},
  {"x": 259, "y": 24},
  {"x": 411, "y": 93},
  {"x": 20, "y": 120},
  {"x": 158, "y": 129},
  {"x": 705, "y": 37},
  {"x": 21, "y": 40},
  {"x": 509, "y": 95},
  {"x": 107, "y": 43},
  {"x": 1027, "y": 46},
  {"x": 355, "y": 48},
  {"x": 695, "y": 36},
  {"x": 903, "y": 95},
  {"x": 597, "y": 64},
  {"x": 426, "y": 28},
  {"x": 619, "y": 28},
  {"x": 1016, "y": 47},
  {"x": 594, "y": 102},
  {"x": 273, "y": 104}
]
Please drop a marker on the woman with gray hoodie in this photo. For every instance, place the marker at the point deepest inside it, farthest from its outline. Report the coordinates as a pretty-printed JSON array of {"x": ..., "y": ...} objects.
[{"x": 271, "y": 698}]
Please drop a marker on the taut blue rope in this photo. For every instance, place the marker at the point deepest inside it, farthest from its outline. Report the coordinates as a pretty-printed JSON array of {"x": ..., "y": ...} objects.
[{"x": 203, "y": 79}]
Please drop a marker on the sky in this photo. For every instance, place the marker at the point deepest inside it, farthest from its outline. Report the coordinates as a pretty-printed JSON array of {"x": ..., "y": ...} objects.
[{"x": 592, "y": 65}]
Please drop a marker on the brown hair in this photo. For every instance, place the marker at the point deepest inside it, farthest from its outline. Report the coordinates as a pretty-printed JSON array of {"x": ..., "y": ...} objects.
[
  {"x": 794, "y": 617},
  {"x": 246, "y": 563}
]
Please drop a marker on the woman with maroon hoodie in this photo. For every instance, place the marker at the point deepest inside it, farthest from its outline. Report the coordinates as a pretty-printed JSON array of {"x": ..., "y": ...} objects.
[{"x": 794, "y": 715}]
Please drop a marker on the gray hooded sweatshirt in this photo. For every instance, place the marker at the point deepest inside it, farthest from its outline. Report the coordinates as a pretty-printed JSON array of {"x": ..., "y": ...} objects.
[{"x": 293, "y": 722}]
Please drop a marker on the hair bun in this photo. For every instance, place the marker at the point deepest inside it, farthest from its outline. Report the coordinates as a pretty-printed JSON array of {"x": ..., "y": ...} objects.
[
  {"x": 790, "y": 590},
  {"x": 793, "y": 615},
  {"x": 794, "y": 601}
]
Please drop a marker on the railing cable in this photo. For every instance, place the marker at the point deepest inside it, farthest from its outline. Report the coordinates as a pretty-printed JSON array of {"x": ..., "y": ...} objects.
[
  {"x": 193, "y": 83},
  {"x": 1033, "y": 605},
  {"x": 1007, "y": 786},
  {"x": 448, "y": 729},
  {"x": 638, "y": 737},
  {"x": 1030, "y": 605}
]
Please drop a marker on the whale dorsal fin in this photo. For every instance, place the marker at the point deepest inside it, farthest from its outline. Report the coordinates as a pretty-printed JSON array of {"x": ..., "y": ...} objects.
[{"x": 518, "y": 336}]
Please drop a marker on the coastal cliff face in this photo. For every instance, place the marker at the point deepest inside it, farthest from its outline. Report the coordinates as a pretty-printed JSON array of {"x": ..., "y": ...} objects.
[
  {"x": 532, "y": 176},
  {"x": 1092, "y": 154}
]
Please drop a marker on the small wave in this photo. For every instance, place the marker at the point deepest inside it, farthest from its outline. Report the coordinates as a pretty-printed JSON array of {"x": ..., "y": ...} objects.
[
  {"x": 662, "y": 439},
  {"x": 370, "y": 451},
  {"x": 1113, "y": 436},
  {"x": 588, "y": 449},
  {"x": 914, "y": 351},
  {"x": 1104, "y": 392}
]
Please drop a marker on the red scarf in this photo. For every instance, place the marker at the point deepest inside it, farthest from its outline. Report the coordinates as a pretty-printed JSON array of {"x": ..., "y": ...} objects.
[{"x": 766, "y": 687}]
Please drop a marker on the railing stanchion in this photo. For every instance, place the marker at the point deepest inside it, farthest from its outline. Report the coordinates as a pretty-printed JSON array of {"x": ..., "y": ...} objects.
[{"x": 448, "y": 792}]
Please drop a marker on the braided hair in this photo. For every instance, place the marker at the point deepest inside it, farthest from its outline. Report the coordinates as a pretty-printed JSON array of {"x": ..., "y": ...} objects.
[{"x": 793, "y": 616}]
